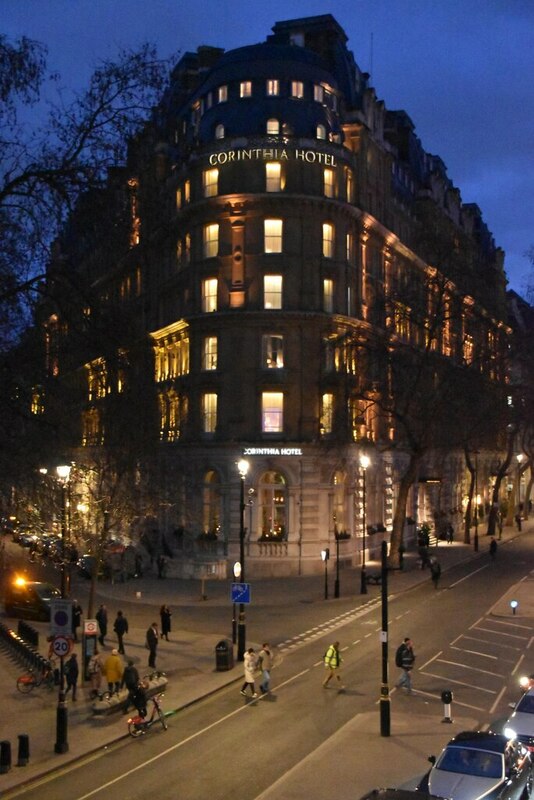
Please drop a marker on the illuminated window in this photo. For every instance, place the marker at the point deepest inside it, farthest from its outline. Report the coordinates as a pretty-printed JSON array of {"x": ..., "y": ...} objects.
[
  {"x": 272, "y": 351},
  {"x": 273, "y": 127},
  {"x": 273, "y": 176},
  {"x": 210, "y": 179},
  {"x": 272, "y": 507},
  {"x": 402, "y": 321},
  {"x": 187, "y": 249},
  {"x": 211, "y": 240},
  {"x": 211, "y": 504},
  {"x": 209, "y": 353},
  {"x": 327, "y": 412},
  {"x": 350, "y": 247},
  {"x": 328, "y": 182},
  {"x": 318, "y": 93},
  {"x": 321, "y": 132},
  {"x": 469, "y": 348},
  {"x": 349, "y": 186},
  {"x": 37, "y": 403},
  {"x": 222, "y": 94},
  {"x": 245, "y": 89},
  {"x": 209, "y": 295},
  {"x": 187, "y": 191},
  {"x": 209, "y": 412},
  {"x": 328, "y": 240},
  {"x": 272, "y": 291},
  {"x": 179, "y": 200},
  {"x": 272, "y": 238},
  {"x": 273, "y": 87},
  {"x": 297, "y": 89},
  {"x": 328, "y": 295},
  {"x": 219, "y": 131},
  {"x": 272, "y": 412}
]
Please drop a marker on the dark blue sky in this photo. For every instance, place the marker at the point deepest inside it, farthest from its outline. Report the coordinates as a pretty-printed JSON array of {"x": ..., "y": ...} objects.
[{"x": 462, "y": 69}]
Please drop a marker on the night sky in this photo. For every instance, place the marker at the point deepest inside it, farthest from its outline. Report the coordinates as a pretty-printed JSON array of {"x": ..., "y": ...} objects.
[{"x": 463, "y": 70}]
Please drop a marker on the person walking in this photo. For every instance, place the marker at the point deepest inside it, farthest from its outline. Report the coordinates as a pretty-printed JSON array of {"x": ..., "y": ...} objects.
[
  {"x": 77, "y": 612},
  {"x": 162, "y": 566},
  {"x": 71, "y": 674},
  {"x": 250, "y": 665},
  {"x": 130, "y": 679},
  {"x": 95, "y": 669},
  {"x": 435, "y": 572},
  {"x": 113, "y": 669},
  {"x": 102, "y": 620},
  {"x": 518, "y": 521},
  {"x": 332, "y": 662},
  {"x": 492, "y": 548},
  {"x": 165, "y": 616},
  {"x": 265, "y": 664},
  {"x": 152, "y": 644},
  {"x": 120, "y": 626},
  {"x": 404, "y": 658}
]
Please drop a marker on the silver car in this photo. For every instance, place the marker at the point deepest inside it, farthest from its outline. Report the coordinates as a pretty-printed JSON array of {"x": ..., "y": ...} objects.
[
  {"x": 477, "y": 765},
  {"x": 521, "y": 724}
]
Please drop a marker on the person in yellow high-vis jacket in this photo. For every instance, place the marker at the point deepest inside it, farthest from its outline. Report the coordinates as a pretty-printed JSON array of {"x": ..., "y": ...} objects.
[{"x": 332, "y": 662}]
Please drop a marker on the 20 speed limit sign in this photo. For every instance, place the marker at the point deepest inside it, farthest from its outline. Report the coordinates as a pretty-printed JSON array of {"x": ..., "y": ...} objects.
[{"x": 61, "y": 645}]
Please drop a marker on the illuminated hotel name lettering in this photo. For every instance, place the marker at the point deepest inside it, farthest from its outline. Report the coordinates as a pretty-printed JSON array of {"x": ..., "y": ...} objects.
[
  {"x": 272, "y": 154},
  {"x": 272, "y": 451}
]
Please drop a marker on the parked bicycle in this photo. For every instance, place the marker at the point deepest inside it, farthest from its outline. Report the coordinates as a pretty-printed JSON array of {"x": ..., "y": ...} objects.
[
  {"x": 140, "y": 724},
  {"x": 30, "y": 679}
]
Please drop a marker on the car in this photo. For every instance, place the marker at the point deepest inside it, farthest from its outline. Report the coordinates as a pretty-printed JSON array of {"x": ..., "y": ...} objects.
[
  {"x": 30, "y": 599},
  {"x": 477, "y": 764},
  {"x": 520, "y": 725},
  {"x": 398, "y": 794}
]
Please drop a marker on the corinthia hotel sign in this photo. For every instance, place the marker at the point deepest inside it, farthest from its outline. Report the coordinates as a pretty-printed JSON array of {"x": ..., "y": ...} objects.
[
  {"x": 272, "y": 451},
  {"x": 272, "y": 154}
]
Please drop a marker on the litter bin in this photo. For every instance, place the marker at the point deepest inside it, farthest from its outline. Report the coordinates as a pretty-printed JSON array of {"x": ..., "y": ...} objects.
[{"x": 224, "y": 655}]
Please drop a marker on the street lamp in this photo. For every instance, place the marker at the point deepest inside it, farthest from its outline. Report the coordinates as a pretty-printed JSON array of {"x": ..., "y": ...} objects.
[
  {"x": 237, "y": 576},
  {"x": 325, "y": 555},
  {"x": 519, "y": 457},
  {"x": 242, "y": 468},
  {"x": 364, "y": 463},
  {"x": 475, "y": 544},
  {"x": 336, "y": 582},
  {"x": 62, "y": 719}
]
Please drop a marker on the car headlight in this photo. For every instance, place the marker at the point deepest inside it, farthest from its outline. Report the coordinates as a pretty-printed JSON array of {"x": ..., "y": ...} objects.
[{"x": 510, "y": 733}]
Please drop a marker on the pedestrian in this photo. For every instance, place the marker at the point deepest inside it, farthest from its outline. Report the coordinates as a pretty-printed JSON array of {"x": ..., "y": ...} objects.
[
  {"x": 152, "y": 637},
  {"x": 265, "y": 664},
  {"x": 77, "y": 612},
  {"x": 102, "y": 619},
  {"x": 120, "y": 626},
  {"x": 71, "y": 674},
  {"x": 435, "y": 572},
  {"x": 402, "y": 551},
  {"x": 404, "y": 658},
  {"x": 518, "y": 521},
  {"x": 332, "y": 662},
  {"x": 492, "y": 548},
  {"x": 94, "y": 670},
  {"x": 450, "y": 533},
  {"x": 162, "y": 566},
  {"x": 113, "y": 669},
  {"x": 130, "y": 679},
  {"x": 250, "y": 665},
  {"x": 500, "y": 523},
  {"x": 165, "y": 615}
]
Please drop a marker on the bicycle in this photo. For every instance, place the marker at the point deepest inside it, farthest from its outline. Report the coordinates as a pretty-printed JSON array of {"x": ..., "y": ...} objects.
[
  {"x": 28, "y": 680},
  {"x": 139, "y": 725}
]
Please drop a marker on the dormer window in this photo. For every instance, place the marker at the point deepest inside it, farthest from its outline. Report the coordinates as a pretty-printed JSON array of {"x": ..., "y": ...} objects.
[
  {"x": 321, "y": 132},
  {"x": 219, "y": 131},
  {"x": 245, "y": 89},
  {"x": 222, "y": 94},
  {"x": 297, "y": 89},
  {"x": 273, "y": 127},
  {"x": 318, "y": 93},
  {"x": 273, "y": 87}
]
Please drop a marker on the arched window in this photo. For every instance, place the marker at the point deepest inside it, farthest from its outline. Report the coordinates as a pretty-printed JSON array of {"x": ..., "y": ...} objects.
[
  {"x": 219, "y": 131},
  {"x": 321, "y": 132},
  {"x": 272, "y": 493},
  {"x": 211, "y": 505},
  {"x": 273, "y": 127}
]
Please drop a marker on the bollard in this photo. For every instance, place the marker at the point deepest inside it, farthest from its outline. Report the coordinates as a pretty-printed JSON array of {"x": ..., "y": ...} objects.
[
  {"x": 446, "y": 699},
  {"x": 24, "y": 750},
  {"x": 5, "y": 756}
]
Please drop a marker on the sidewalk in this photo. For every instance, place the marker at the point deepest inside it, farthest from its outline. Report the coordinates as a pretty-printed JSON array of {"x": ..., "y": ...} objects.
[{"x": 189, "y": 658}]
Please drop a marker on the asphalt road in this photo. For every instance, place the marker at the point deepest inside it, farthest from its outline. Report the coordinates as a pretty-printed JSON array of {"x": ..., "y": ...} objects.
[{"x": 229, "y": 747}]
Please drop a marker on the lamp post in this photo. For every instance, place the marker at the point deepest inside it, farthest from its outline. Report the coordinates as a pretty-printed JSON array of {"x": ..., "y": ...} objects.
[
  {"x": 475, "y": 543},
  {"x": 385, "y": 705},
  {"x": 519, "y": 457},
  {"x": 325, "y": 555},
  {"x": 237, "y": 576},
  {"x": 242, "y": 468},
  {"x": 364, "y": 463},
  {"x": 336, "y": 582},
  {"x": 62, "y": 719}
]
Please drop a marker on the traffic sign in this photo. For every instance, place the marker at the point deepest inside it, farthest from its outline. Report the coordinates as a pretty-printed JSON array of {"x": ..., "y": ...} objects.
[
  {"x": 90, "y": 627},
  {"x": 240, "y": 592},
  {"x": 61, "y": 645},
  {"x": 60, "y": 617}
]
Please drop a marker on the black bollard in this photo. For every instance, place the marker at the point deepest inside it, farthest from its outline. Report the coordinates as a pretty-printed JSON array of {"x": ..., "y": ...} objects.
[
  {"x": 24, "y": 750},
  {"x": 446, "y": 699},
  {"x": 5, "y": 756}
]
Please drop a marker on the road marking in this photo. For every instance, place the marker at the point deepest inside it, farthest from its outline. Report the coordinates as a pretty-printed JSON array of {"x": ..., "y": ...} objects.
[
  {"x": 502, "y": 633},
  {"x": 494, "y": 644},
  {"x": 470, "y": 575},
  {"x": 511, "y": 624},
  {"x": 497, "y": 700},
  {"x": 460, "y": 683},
  {"x": 430, "y": 660},
  {"x": 473, "y": 652},
  {"x": 473, "y": 669},
  {"x": 520, "y": 661}
]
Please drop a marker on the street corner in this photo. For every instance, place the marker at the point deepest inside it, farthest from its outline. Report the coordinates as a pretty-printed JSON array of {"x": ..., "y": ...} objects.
[{"x": 518, "y": 602}]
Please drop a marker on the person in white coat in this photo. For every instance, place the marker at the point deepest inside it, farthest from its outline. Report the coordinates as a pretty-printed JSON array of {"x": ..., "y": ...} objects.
[{"x": 250, "y": 664}]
